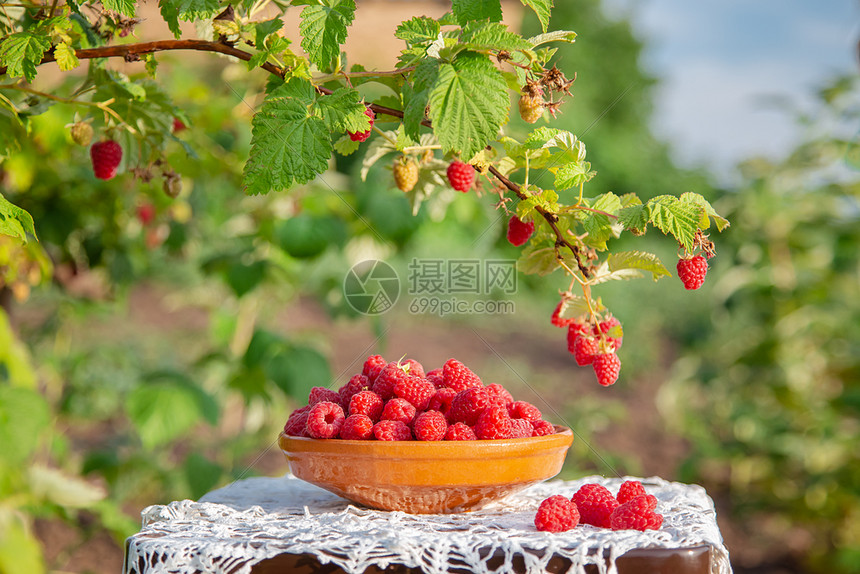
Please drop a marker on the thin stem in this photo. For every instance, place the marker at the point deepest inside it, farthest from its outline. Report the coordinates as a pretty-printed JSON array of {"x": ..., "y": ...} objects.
[
  {"x": 384, "y": 135},
  {"x": 366, "y": 74},
  {"x": 592, "y": 210},
  {"x": 103, "y": 106},
  {"x": 579, "y": 199},
  {"x": 415, "y": 148}
]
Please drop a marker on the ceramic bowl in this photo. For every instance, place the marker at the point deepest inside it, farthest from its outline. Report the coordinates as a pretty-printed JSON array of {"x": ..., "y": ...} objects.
[{"x": 426, "y": 477}]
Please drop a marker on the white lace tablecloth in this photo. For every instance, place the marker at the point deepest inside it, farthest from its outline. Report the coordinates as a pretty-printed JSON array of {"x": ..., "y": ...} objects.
[{"x": 236, "y": 527}]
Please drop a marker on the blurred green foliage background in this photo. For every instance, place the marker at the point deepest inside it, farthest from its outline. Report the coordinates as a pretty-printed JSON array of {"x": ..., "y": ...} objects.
[{"x": 142, "y": 363}]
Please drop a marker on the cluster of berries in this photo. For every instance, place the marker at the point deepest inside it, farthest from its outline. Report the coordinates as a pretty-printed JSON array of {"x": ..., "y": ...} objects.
[
  {"x": 593, "y": 344},
  {"x": 399, "y": 401},
  {"x": 631, "y": 509}
]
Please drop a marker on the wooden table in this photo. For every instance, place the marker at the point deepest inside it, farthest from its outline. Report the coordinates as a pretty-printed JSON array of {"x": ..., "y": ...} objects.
[{"x": 283, "y": 525}]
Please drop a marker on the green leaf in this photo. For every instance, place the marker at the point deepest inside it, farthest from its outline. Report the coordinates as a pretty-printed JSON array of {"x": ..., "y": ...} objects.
[
  {"x": 600, "y": 226},
  {"x": 15, "y": 221},
  {"x": 707, "y": 211},
  {"x": 573, "y": 174},
  {"x": 492, "y": 36},
  {"x": 419, "y": 31},
  {"x": 542, "y": 8},
  {"x": 637, "y": 260},
  {"x": 634, "y": 217},
  {"x": 296, "y": 369},
  {"x": 122, "y": 6},
  {"x": 554, "y": 36},
  {"x": 417, "y": 94},
  {"x": 16, "y": 367},
  {"x": 288, "y": 146},
  {"x": 346, "y": 146},
  {"x": 66, "y": 58},
  {"x": 170, "y": 14},
  {"x": 468, "y": 10},
  {"x": 192, "y": 10},
  {"x": 324, "y": 28},
  {"x": 540, "y": 260},
  {"x": 22, "y": 52},
  {"x": 20, "y": 551},
  {"x": 24, "y": 414},
  {"x": 675, "y": 217},
  {"x": 297, "y": 88},
  {"x": 468, "y": 103},
  {"x": 263, "y": 29},
  {"x": 343, "y": 111},
  {"x": 163, "y": 411}
]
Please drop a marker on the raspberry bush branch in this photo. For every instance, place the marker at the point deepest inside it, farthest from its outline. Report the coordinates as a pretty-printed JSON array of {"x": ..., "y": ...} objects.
[{"x": 444, "y": 120}]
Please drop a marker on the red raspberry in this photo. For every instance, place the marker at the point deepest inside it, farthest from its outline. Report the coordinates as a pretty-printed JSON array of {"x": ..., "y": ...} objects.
[
  {"x": 178, "y": 125},
  {"x": 460, "y": 431},
  {"x": 106, "y": 156},
  {"x": 398, "y": 410},
  {"x": 557, "y": 319},
  {"x": 468, "y": 405},
  {"x": 542, "y": 428},
  {"x": 584, "y": 349},
  {"x": 362, "y": 136},
  {"x": 459, "y": 377},
  {"x": 366, "y": 403},
  {"x": 692, "y": 271},
  {"x": 595, "y": 504},
  {"x": 325, "y": 420},
  {"x": 145, "y": 213},
  {"x": 430, "y": 425},
  {"x": 629, "y": 490},
  {"x": 518, "y": 231},
  {"x": 521, "y": 428},
  {"x": 355, "y": 385},
  {"x": 320, "y": 394},
  {"x": 606, "y": 366},
  {"x": 357, "y": 427},
  {"x": 524, "y": 410},
  {"x": 435, "y": 377},
  {"x": 388, "y": 378},
  {"x": 499, "y": 394},
  {"x": 372, "y": 367},
  {"x": 297, "y": 422},
  {"x": 612, "y": 328},
  {"x": 556, "y": 514},
  {"x": 494, "y": 423},
  {"x": 413, "y": 367},
  {"x": 442, "y": 400},
  {"x": 416, "y": 390},
  {"x": 461, "y": 175},
  {"x": 392, "y": 430},
  {"x": 575, "y": 330},
  {"x": 636, "y": 514}
]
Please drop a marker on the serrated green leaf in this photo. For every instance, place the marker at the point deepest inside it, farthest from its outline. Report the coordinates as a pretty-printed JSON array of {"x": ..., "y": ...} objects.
[
  {"x": 674, "y": 217},
  {"x": 418, "y": 31},
  {"x": 288, "y": 145},
  {"x": 262, "y": 30},
  {"x": 191, "y": 10},
  {"x": 468, "y": 103},
  {"x": 346, "y": 145},
  {"x": 21, "y": 53},
  {"x": 295, "y": 88},
  {"x": 170, "y": 14},
  {"x": 468, "y": 10},
  {"x": 324, "y": 29},
  {"x": 600, "y": 226},
  {"x": 417, "y": 94},
  {"x": 492, "y": 36},
  {"x": 573, "y": 174},
  {"x": 634, "y": 217},
  {"x": 540, "y": 260},
  {"x": 554, "y": 36},
  {"x": 342, "y": 111},
  {"x": 641, "y": 260},
  {"x": 122, "y": 6},
  {"x": 15, "y": 221},
  {"x": 66, "y": 58},
  {"x": 542, "y": 8},
  {"x": 707, "y": 211}
]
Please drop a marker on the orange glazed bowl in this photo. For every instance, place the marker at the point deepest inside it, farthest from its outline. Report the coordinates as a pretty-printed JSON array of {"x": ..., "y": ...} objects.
[{"x": 426, "y": 477}]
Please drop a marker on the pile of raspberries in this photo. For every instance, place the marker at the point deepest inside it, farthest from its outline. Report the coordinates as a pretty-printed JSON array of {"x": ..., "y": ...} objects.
[
  {"x": 399, "y": 401},
  {"x": 631, "y": 509}
]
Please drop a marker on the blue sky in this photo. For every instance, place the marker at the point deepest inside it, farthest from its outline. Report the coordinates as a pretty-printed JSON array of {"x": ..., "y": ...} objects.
[{"x": 718, "y": 60}]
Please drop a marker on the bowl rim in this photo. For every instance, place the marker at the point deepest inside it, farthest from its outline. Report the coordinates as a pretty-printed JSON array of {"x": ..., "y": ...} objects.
[{"x": 562, "y": 438}]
